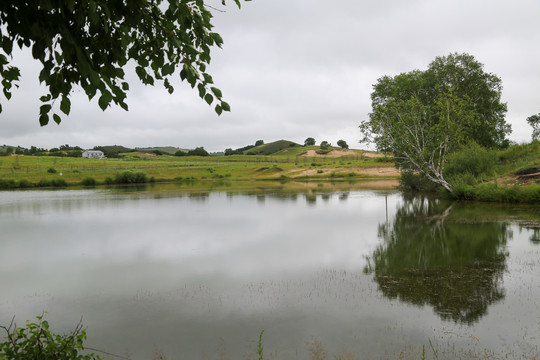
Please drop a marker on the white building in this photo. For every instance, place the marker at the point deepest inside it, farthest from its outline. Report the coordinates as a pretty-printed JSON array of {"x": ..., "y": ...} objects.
[{"x": 93, "y": 154}]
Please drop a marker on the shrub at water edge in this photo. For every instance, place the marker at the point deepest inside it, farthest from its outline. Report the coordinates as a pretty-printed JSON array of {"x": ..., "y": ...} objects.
[
  {"x": 89, "y": 181},
  {"x": 129, "y": 177}
]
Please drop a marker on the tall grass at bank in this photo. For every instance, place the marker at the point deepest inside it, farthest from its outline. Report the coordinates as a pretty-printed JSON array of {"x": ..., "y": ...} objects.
[{"x": 473, "y": 173}]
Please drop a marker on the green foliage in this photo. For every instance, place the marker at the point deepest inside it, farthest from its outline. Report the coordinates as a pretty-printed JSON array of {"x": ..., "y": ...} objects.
[
  {"x": 421, "y": 116},
  {"x": 342, "y": 144},
  {"x": 129, "y": 177},
  {"x": 109, "y": 180},
  {"x": 411, "y": 182},
  {"x": 89, "y": 181},
  {"x": 44, "y": 183},
  {"x": 325, "y": 145},
  {"x": 471, "y": 160},
  {"x": 13, "y": 184},
  {"x": 384, "y": 159},
  {"x": 180, "y": 153},
  {"x": 59, "y": 183},
  {"x": 465, "y": 78},
  {"x": 198, "y": 152},
  {"x": 534, "y": 121},
  {"x": 259, "y": 142},
  {"x": 260, "y": 349},
  {"x": 8, "y": 184},
  {"x": 35, "y": 341},
  {"x": 493, "y": 193},
  {"x": 309, "y": 141},
  {"x": 113, "y": 151},
  {"x": 421, "y": 136},
  {"x": 25, "y": 184},
  {"x": 51, "y": 170},
  {"x": 74, "y": 153},
  {"x": 88, "y": 43}
]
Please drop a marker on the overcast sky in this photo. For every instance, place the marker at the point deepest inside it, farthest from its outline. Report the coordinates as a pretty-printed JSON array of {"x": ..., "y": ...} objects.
[{"x": 292, "y": 69}]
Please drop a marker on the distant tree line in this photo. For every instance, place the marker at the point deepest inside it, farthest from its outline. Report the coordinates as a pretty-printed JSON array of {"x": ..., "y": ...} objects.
[
  {"x": 62, "y": 150},
  {"x": 325, "y": 145}
]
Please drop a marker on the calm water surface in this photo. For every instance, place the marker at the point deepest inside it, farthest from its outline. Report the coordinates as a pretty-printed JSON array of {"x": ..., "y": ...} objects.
[{"x": 198, "y": 275}]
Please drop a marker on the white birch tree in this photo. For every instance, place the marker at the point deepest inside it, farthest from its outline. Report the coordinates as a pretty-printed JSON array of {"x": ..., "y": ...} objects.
[{"x": 420, "y": 136}]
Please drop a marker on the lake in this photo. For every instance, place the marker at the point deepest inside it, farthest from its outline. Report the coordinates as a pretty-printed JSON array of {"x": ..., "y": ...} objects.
[{"x": 178, "y": 272}]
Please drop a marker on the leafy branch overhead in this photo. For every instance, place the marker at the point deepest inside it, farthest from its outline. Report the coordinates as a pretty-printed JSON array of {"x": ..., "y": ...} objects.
[{"x": 89, "y": 43}]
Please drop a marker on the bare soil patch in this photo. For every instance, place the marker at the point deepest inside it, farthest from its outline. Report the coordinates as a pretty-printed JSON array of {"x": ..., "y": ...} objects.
[
  {"x": 379, "y": 171},
  {"x": 527, "y": 179}
]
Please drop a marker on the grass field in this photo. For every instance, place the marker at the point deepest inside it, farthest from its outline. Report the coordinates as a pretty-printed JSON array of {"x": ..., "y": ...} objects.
[{"x": 288, "y": 163}]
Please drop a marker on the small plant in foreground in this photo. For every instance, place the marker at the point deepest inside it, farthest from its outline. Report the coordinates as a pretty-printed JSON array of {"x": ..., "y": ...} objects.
[
  {"x": 51, "y": 170},
  {"x": 260, "y": 348},
  {"x": 35, "y": 341}
]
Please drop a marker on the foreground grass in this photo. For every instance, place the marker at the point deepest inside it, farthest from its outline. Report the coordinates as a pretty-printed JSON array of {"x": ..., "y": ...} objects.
[
  {"x": 29, "y": 171},
  {"x": 36, "y": 341}
]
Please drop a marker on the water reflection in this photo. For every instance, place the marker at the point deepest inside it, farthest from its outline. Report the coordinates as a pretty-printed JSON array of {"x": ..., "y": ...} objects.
[
  {"x": 427, "y": 258},
  {"x": 535, "y": 237}
]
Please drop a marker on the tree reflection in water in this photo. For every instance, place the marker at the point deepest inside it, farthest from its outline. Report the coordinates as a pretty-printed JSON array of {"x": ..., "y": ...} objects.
[{"x": 428, "y": 259}]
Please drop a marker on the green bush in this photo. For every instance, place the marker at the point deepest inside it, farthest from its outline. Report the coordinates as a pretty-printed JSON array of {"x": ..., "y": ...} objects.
[
  {"x": 8, "y": 184},
  {"x": 129, "y": 177},
  {"x": 493, "y": 193},
  {"x": 89, "y": 181},
  {"x": 473, "y": 160},
  {"x": 44, "y": 183},
  {"x": 383, "y": 159},
  {"x": 25, "y": 184},
  {"x": 410, "y": 181},
  {"x": 51, "y": 170},
  {"x": 198, "y": 152},
  {"x": 109, "y": 180},
  {"x": 59, "y": 183},
  {"x": 35, "y": 341}
]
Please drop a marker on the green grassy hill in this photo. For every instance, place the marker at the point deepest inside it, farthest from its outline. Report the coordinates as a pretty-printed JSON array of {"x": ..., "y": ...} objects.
[{"x": 271, "y": 148}]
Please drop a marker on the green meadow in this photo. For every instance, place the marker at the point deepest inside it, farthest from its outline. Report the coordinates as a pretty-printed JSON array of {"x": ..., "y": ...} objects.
[{"x": 26, "y": 171}]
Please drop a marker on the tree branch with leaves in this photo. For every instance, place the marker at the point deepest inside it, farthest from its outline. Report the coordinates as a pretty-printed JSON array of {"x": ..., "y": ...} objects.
[{"x": 89, "y": 43}]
